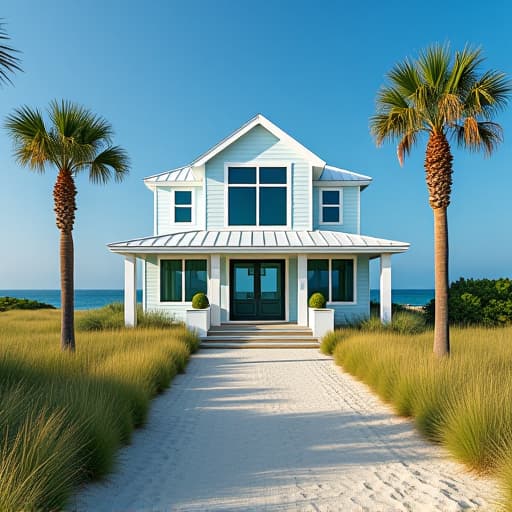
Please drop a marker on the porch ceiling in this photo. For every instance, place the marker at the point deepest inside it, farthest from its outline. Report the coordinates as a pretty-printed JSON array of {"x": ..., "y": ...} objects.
[{"x": 234, "y": 241}]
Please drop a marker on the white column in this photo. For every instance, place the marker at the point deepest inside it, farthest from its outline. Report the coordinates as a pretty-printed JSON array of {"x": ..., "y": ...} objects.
[
  {"x": 130, "y": 291},
  {"x": 214, "y": 291},
  {"x": 385, "y": 288},
  {"x": 302, "y": 290}
]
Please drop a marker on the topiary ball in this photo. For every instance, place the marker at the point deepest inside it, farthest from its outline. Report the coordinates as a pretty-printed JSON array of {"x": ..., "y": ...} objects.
[
  {"x": 317, "y": 301},
  {"x": 200, "y": 301}
]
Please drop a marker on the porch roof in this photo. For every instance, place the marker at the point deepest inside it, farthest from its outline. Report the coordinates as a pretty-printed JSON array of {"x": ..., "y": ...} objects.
[{"x": 235, "y": 241}]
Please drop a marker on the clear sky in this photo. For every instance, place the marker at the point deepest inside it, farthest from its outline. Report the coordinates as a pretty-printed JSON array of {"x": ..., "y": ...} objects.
[{"x": 174, "y": 77}]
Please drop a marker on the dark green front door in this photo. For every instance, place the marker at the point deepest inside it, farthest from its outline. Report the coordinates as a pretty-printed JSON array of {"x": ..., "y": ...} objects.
[{"x": 257, "y": 290}]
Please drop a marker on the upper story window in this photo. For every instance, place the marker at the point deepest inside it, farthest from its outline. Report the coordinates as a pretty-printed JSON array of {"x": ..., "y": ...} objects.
[
  {"x": 331, "y": 206},
  {"x": 183, "y": 206},
  {"x": 257, "y": 196}
]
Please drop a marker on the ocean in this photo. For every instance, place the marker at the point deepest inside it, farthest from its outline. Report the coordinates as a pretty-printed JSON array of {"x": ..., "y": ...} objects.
[{"x": 90, "y": 299}]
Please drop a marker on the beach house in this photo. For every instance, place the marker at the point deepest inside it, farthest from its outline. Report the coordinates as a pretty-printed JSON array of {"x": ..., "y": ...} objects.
[{"x": 258, "y": 223}]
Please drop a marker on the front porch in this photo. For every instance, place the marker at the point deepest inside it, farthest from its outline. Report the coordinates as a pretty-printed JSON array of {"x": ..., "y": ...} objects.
[{"x": 263, "y": 288}]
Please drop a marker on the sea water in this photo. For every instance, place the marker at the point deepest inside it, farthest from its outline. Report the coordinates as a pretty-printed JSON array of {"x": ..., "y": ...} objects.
[{"x": 89, "y": 299}]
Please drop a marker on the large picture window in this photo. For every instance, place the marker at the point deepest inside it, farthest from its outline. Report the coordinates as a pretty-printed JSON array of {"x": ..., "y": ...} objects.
[
  {"x": 180, "y": 280},
  {"x": 333, "y": 278},
  {"x": 257, "y": 196}
]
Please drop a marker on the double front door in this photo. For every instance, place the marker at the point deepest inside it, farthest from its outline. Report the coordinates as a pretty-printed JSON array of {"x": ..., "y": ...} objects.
[{"x": 257, "y": 289}]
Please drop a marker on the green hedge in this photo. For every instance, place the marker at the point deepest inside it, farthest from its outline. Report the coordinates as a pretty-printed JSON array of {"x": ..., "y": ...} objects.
[
  {"x": 477, "y": 302},
  {"x": 8, "y": 303}
]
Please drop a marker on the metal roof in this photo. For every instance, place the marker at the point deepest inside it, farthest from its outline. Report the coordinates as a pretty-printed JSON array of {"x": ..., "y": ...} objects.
[
  {"x": 182, "y": 174},
  {"x": 234, "y": 241},
  {"x": 331, "y": 173}
]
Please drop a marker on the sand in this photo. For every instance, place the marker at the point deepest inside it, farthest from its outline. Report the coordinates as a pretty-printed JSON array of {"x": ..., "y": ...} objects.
[{"x": 280, "y": 430}]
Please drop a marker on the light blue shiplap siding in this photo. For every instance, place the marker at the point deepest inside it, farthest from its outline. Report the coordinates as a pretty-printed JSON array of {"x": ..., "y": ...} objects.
[
  {"x": 258, "y": 145},
  {"x": 172, "y": 309},
  {"x": 165, "y": 215},
  {"x": 352, "y": 313},
  {"x": 350, "y": 210},
  {"x": 292, "y": 289}
]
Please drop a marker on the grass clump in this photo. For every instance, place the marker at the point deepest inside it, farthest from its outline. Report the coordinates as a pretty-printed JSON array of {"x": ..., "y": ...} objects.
[
  {"x": 63, "y": 416},
  {"x": 463, "y": 402},
  {"x": 111, "y": 317}
]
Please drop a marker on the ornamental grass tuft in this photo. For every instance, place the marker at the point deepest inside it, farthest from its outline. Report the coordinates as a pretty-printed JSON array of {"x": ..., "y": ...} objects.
[
  {"x": 64, "y": 416},
  {"x": 463, "y": 402}
]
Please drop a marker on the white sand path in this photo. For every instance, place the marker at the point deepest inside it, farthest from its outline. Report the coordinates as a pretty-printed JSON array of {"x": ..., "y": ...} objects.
[{"x": 279, "y": 430}]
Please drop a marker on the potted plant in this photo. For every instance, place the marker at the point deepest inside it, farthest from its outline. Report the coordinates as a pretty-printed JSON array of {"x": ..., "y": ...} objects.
[
  {"x": 321, "y": 319},
  {"x": 198, "y": 318}
]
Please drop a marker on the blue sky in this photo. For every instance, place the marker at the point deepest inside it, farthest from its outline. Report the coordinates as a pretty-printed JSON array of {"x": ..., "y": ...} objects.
[{"x": 175, "y": 77}]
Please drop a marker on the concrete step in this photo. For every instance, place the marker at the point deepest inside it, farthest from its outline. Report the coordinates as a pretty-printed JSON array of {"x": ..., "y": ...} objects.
[
  {"x": 260, "y": 338},
  {"x": 257, "y": 344},
  {"x": 265, "y": 332}
]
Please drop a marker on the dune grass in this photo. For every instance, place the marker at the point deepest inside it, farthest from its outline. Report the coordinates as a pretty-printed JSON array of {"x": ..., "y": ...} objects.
[
  {"x": 463, "y": 402},
  {"x": 63, "y": 416}
]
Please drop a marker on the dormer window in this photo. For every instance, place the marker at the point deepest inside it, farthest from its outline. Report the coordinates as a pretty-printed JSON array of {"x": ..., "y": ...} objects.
[
  {"x": 183, "y": 206},
  {"x": 331, "y": 206},
  {"x": 257, "y": 196}
]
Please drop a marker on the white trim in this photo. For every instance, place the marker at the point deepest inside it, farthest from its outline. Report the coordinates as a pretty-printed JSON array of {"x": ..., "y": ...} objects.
[
  {"x": 354, "y": 270},
  {"x": 385, "y": 288},
  {"x": 192, "y": 207},
  {"x": 262, "y": 258},
  {"x": 359, "y": 210},
  {"x": 155, "y": 212},
  {"x": 310, "y": 194},
  {"x": 339, "y": 205},
  {"x": 272, "y": 128},
  {"x": 130, "y": 290},
  {"x": 257, "y": 164},
  {"x": 181, "y": 257}
]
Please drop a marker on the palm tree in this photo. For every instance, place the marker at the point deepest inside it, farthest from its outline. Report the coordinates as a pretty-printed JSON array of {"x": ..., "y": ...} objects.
[
  {"x": 75, "y": 141},
  {"x": 441, "y": 97},
  {"x": 9, "y": 63}
]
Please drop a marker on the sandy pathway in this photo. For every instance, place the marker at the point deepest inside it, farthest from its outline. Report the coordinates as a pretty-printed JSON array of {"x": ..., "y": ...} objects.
[{"x": 279, "y": 430}]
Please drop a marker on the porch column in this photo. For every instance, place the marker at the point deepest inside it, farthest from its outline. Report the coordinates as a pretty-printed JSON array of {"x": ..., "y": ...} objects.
[
  {"x": 130, "y": 291},
  {"x": 385, "y": 288},
  {"x": 214, "y": 293},
  {"x": 302, "y": 290}
]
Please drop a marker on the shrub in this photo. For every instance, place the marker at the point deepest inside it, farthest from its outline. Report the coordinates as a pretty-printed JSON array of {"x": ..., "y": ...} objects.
[
  {"x": 200, "y": 301},
  {"x": 477, "y": 301},
  {"x": 403, "y": 322},
  {"x": 8, "y": 303},
  {"x": 317, "y": 301}
]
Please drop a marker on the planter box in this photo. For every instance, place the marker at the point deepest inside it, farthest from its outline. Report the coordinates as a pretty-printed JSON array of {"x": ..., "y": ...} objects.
[
  {"x": 321, "y": 321},
  {"x": 198, "y": 320}
]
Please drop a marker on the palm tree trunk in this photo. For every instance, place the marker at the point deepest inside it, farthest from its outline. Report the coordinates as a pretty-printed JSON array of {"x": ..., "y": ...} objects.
[
  {"x": 67, "y": 335},
  {"x": 64, "y": 194},
  {"x": 441, "y": 329},
  {"x": 438, "y": 167}
]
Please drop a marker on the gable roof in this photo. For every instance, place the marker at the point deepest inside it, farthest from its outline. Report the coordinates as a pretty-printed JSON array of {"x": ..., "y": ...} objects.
[{"x": 259, "y": 119}]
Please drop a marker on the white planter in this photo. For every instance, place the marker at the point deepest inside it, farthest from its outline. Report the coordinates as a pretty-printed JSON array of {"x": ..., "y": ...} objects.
[
  {"x": 198, "y": 320},
  {"x": 321, "y": 321}
]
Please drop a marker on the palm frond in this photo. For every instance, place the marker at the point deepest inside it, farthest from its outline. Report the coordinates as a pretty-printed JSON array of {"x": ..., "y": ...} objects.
[
  {"x": 434, "y": 64},
  {"x": 9, "y": 62},
  {"x": 478, "y": 136},
  {"x": 405, "y": 146},
  {"x": 405, "y": 78},
  {"x": 112, "y": 162},
  {"x": 32, "y": 145},
  {"x": 464, "y": 71},
  {"x": 488, "y": 95}
]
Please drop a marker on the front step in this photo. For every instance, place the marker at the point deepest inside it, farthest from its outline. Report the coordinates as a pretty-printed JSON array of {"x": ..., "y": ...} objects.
[{"x": 259, "y": 336}]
